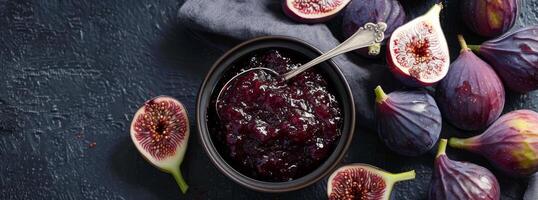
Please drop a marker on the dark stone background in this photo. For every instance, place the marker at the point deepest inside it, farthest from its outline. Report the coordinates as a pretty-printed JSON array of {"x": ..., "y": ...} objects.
[{"x": 74, "y": 72}]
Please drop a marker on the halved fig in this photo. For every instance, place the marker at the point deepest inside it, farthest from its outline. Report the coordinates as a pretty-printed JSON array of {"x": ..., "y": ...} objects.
[
  {"x": 417, "y": 51},
  {"x": 362, "y": 181},
  {"x": 313, "y": 11},
  {"x": 160, "y": 132}
]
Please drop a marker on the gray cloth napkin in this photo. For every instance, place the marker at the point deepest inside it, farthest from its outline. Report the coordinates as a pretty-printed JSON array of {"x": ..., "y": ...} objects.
[
  {"x": 246, "y": 19},
  {"x": 532, "y": 189}
]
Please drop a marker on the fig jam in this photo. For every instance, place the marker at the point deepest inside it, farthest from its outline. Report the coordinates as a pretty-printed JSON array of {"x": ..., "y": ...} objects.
[{"x": 276, "y": 130}]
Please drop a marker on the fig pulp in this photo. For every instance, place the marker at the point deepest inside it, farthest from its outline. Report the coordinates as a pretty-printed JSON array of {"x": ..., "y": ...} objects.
[
  {"x": 471, "y": 96},
  {"x": 461, "y": 180},
  {"x": 409, "y": 122},
  {"x": 418, "y": 52},
  {"x": 510, "y": 143},
  {"x": 160, "y": 132},
  {"x": 360, "y": 12},
  {"x": 489, "y": 18},
  {"x": 362, "y": 181},
  {"x": 313, "y": 11},
  {"x": 515, "y": 58}
]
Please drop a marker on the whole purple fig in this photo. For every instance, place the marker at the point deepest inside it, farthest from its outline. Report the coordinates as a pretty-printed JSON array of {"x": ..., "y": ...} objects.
[
  {"x": 489, "y": 17},
  {"x": 515, "y": 58},
  {"x": 360, "y": 12},
  {"x": 510, "y": 143},
  {"x": 409, "y": 122},
  {"x": 471, "y": 96},
  {"x": 461, "y": 180}
]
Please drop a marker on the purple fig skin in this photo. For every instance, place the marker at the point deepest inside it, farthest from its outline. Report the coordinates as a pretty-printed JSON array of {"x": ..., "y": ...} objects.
[
  {"x": 471, "y": 96},
  {"x": 409, "y": 122},
  {"x": 360, "y": 12},
  {"x": 490, "y": 18},
  {"x": 515, "y": 58},
  {"x": 510, "y": 143},
  {"x": 461, "y": 180}
]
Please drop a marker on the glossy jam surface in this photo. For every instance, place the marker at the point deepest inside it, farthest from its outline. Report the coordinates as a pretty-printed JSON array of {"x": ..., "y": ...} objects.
[{"x": 276, "y": 130}]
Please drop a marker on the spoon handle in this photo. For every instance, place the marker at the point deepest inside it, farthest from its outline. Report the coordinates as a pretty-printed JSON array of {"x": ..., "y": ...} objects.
[{"x": 369, "y": 35}]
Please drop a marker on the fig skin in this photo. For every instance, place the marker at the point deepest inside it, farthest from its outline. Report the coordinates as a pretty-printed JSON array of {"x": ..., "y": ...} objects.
[
  {"x": 289, "y": 10},
  {"x": 368, "y": 181},
  {"x": 360, "y": 12},
  {"x": 514, "y": 56},
  {"x": 461, "y": 180},
  {"x": 489, "y": 18},
  {"x": 510, "y": 143},
  {"x": 409, "y": 122},
  {"x": 471, "y": 96}
]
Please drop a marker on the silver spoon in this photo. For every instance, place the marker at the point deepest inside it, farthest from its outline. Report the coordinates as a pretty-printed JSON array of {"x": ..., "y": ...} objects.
[{"x": 370, "y": 35}]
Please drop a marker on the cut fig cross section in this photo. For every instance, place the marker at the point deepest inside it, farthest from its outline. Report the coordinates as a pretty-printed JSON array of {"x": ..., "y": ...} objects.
[
  {"x": 418, "y": 52},
  {"x": 160, "y": 131},
  {"x": 362, "y": 181}
]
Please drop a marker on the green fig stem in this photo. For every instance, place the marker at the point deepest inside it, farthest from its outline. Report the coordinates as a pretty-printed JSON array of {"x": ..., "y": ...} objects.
[
  {"x": 475, "y": 48},
  {"x": 463, "y": 44},
  {"x": 380, "y": 95},
  {"x": 442, "y": 148},
  {"x": 374, "y": 49},
  {"x": 180, "y": 181},
  {"x": 457, "y": 143},
  {"x": 403, "y": 176}
]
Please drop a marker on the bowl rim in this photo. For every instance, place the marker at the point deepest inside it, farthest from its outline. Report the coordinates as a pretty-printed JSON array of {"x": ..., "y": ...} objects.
[{"x": 264, "y": 186}]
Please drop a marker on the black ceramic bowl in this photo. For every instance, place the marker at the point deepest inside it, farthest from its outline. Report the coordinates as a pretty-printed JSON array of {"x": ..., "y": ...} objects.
[{"x": 210, "y": 86}]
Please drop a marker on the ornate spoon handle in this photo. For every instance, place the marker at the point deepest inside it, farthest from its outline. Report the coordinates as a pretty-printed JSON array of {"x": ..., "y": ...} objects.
[{"x": 369, "y": 35}]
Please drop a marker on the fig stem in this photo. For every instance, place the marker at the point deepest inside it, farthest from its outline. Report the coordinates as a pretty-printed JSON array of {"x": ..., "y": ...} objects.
[
  {"x": 457, "y": 143},
  {"x": 374, "y": 49},
  {"x": 380, "y": 95},
  {"x": 475, "y": 48},
  {"x": 180, "y": 181},
  {"x": 463, "y": 44},
  {"x": 404, "y": 176},
  {"x": 442, "y": 148}
]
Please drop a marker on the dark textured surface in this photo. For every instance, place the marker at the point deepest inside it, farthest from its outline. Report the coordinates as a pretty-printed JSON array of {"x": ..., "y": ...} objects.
[{"x": 73, "y": 73}]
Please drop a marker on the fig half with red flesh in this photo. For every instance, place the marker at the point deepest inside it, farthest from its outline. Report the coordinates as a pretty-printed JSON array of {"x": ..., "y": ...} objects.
[
  {"x": 461, "y": 180},
  {"x": 313, "y": 11},
  {"x": 417, "y": 51},
  {"x": 160, "y": 132},
  {"x": 362, "y": 181}
]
